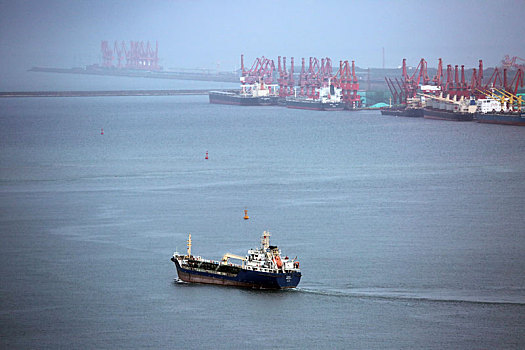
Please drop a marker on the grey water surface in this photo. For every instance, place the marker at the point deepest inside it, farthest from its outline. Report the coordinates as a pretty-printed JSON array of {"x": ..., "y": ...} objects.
[{"x": 410, "y": 232}]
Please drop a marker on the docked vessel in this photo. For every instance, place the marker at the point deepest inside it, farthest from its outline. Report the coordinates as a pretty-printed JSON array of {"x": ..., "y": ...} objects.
[
  {"x": 493, "y": 111},
  {"x": 441, "y": 108},
  {"x": 327, "y": 98},
  {"x": 412, "y": 109},
  {"x": 261, "y": 268},
  {"x": 257, "y": 94},
  {"x": 395, "y": 111}
]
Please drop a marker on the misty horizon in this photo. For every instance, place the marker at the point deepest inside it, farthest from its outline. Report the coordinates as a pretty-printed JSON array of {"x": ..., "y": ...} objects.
[{"x": 213, "y": 35}]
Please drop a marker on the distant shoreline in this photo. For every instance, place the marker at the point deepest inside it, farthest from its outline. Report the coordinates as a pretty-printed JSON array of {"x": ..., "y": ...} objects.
[
  {"x": 218, "y": 77},
  {"x": 103, "y": 93}
]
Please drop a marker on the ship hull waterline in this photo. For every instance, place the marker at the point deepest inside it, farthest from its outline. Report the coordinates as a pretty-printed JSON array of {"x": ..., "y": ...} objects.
[
  {"x": 447, "y": 115},
  {"x": 411, "y": 112},
  {"x": 315, "y": 105},
  {"x": 502, "y": 119},
  {"x": 239, "y": 100}
]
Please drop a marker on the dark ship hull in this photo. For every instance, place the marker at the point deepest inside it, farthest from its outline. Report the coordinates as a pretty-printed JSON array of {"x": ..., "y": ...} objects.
[
  {"x": 231, "y": 98},
  {"x": 314, "y": 105},
  {"x": 501, "y": 118},
  {"x": 438, "y": 114},
  {"x": 408, "y": 112}
]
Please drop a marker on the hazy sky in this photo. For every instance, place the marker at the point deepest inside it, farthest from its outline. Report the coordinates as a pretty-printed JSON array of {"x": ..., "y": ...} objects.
[{"x": 195, "y": 34}]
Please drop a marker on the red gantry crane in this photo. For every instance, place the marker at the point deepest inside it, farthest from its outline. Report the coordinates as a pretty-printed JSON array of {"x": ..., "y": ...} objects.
[
  {"x": 513, "y": 62},
  {"x": 286, "y": 79},
  {"x": 261, "y": 71},
  {"x": 138, "y": 56},
  {"x": 346, "y": 79}
]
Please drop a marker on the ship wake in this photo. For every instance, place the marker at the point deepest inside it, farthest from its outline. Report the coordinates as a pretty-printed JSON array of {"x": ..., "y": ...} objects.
[{"x": 415, "y": 296}]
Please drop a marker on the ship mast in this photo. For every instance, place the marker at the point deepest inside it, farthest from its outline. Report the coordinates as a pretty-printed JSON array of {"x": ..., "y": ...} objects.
[
  {"x": 189, "y": 245},
  {"x": 265, "y": 240}
]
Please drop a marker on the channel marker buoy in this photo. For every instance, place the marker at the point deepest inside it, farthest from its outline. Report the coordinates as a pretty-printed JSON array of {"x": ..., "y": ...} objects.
[{"x": 246, "y": 217}]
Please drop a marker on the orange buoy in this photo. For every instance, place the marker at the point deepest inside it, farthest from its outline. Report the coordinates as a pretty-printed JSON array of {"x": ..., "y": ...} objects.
[{"x": 246, "y": 217}]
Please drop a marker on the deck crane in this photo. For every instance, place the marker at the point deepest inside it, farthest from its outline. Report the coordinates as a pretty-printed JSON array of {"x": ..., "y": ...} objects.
[
  {"x": 512, "y": 99},
  {"x": 509, "y": 98},
  {"x": 501, "y": 97}
]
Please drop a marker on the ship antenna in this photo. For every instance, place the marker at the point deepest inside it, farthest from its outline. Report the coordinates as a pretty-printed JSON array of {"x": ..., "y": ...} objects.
[{"x": 189, "y": 245}]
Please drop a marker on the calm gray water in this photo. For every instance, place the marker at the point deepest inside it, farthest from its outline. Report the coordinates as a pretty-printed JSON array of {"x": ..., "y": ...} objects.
[{"x": 410, "y": 232}]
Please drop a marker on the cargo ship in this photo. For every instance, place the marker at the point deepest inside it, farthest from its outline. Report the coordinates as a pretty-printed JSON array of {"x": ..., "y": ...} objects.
[
  {"x": 441, "y": 108},
  {"x": 327, "y": 98},
  {"x": 261, "y": 268},
  {"x": 257, "y": 94},
  {"x": 395, "y": 111},
  {"x": 492, "y": 111},
  {"x": 412, "y": 109}
]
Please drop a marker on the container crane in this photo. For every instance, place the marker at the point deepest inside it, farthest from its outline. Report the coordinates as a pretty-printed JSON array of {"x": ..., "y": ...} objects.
[
  {"x": 516, "y": 82},
  {"x": 286, "y": 81},
  {"x": 346, "y": 79},
  {"x": 411, "y": 82},
  {"x": 512, "y": 62},
  {"x": 494, "y": 80},
  {"x": 393, "y": 91},
  {"x": 438, "y": 78},
  {"x": 261, "y": 71},
  {"x": 138, "y": 56},
  {"x": 107, "y": 55}
]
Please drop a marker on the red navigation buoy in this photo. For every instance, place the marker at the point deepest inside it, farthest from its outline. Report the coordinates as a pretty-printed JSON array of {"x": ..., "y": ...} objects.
[
  {"x": 102, "y": 131},
  {"x": 246, "y": 217},
  {"x": 206, "y": 155}
]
